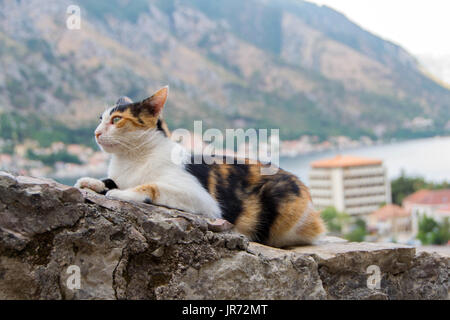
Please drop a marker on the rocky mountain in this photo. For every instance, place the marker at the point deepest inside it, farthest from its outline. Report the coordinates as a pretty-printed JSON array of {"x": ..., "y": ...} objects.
[{"x": 282, "y": 64}]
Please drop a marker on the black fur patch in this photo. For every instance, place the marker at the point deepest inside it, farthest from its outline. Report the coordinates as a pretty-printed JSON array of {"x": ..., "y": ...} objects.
[
  {"x": 233, "y": 188},
  {"x": 160, "y": 128},
  {"x": 110, "y": 184},
  {"x": 273, "y": 193},
  {"x": 200, "y": 171},
  {"x": 135, "y": 109},
  {"x": 267, "y": 215},
  {"x": 148, "y": 201},
  {"x": 228, "y": 193}
]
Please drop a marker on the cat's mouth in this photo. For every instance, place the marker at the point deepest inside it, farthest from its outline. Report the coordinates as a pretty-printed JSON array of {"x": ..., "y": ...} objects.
[{"x": 107, "y": 144}]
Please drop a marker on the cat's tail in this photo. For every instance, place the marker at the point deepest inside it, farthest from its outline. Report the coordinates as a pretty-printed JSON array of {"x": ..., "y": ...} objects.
[{"x": 308, "y": 227}]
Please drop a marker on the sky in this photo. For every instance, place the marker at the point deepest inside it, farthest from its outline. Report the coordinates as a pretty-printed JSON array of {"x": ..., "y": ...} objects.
[{"x": 419, "y": 26}]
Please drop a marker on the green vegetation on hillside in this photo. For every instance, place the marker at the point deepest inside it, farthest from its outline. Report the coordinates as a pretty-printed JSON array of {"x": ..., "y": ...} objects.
[
  {"x": 123, "y": 10},
  {"x": 264, "y": 30},
  {"x": 51, "y": 159},
  {"x": 17, "y": 128},
  {"x": 209, "y": 52}
]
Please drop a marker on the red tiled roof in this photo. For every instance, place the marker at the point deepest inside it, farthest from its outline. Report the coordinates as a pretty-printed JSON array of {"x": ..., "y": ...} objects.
[
  {"x": 390, "y": 211},
  {"x": 431, "y": 197},
  {"x": 342, "y": 161}
]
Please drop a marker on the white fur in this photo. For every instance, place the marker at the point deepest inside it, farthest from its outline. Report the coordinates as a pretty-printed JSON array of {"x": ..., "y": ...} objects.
[
  {"x": 145, "y": 157},
  {"x": 90, "y": 183}
]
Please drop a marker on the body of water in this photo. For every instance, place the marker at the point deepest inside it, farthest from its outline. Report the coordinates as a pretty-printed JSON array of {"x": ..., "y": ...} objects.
[{"x": 428, "y": 158}]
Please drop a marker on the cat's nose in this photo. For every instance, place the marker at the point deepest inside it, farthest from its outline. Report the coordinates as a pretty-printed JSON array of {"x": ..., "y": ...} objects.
[{"x": 97, "y": 134}]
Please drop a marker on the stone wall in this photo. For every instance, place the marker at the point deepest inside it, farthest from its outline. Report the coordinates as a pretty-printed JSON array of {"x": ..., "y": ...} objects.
[{"x": 138, "y": 251}]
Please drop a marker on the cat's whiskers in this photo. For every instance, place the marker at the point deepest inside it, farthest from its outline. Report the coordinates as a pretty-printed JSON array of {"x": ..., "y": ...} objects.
[
  {"x": 116, "y": 141},
  {"x": 141, "y": 149},
  {"x": 145, "y": 141}
]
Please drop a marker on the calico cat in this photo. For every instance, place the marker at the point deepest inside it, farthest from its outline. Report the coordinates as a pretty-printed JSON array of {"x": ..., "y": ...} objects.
[{"x": 272, "y": 209}]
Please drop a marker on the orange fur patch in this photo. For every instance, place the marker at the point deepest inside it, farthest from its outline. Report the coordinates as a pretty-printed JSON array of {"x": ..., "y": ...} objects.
[
  {"x": 224, "y": 171},
  {"x": 247, "y": 221},
  {"x": 127, "y": 117},
  {"x": 291, "y": 212},
  {"x": 149, "y": 119},
  {"x": 159, "y": 99},
  {"x": 148, "y": 189},
  {"x": 212, "y": 184},
  {"x": 312, "y": 227},
  {"x": 254, "y": 175}
]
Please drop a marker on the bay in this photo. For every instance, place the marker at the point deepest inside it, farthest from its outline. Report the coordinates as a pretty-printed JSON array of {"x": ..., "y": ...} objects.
[{"x": 428, "y": 158}]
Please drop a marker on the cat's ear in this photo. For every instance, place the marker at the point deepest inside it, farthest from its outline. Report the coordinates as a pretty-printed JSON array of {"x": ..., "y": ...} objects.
[
  {"x": 124, "y": 100},
  {"x": 156, "y": 102}
]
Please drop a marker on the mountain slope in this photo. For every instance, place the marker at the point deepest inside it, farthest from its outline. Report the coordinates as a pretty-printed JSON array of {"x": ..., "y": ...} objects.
[{"x": 267, "y": 64}]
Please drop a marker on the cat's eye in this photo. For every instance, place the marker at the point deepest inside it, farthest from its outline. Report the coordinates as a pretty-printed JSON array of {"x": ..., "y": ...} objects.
[{"x": 115, "y": 119}]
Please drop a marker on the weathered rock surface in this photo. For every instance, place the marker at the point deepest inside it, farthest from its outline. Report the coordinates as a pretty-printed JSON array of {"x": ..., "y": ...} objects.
[{"x": 139, "y": 251}]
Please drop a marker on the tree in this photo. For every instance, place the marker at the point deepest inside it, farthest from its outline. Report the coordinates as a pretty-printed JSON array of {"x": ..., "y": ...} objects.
[
  {"x": 432, "y": 232},
  {"x": 335, "y": 220},
  {"x": 358, "y": 231},
  {"x": 442, "y": 235},
  {"x": 404, "y": 186}
]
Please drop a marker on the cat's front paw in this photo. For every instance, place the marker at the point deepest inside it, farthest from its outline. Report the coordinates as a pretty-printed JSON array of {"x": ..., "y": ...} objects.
[
  {"x": 126, "y": 195},
  {"x": 90, "y": 183}
]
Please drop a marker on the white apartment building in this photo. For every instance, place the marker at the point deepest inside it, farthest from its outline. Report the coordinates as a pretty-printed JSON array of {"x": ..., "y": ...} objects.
[
  {"x": 355, "y": 185},
  {"x": 432, "y": 203}
]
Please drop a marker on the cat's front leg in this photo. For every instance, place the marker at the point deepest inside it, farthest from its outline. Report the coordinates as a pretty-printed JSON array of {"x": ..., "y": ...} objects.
[
  {"x": 96, "y": 185},
  {"x": 145, "y": 193},
  {"x": 93, "y": 184},
  {"x": 171, "y": 196}
]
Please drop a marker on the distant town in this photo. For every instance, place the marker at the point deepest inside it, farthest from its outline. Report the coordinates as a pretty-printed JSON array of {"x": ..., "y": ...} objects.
[
  {"x": 63, "y": 162},
  {"x": 69, "y": 161}
]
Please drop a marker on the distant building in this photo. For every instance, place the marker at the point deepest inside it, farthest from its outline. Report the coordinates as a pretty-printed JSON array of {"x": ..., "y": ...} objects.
[
  {"x": 390, "y": 222},
  {"x": 351, "y": 184},
  {"x": 433, "y": 203}
]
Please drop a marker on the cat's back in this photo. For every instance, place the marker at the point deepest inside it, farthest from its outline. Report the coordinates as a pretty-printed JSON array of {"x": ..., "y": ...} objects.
[{"x": 274, "y": 208}]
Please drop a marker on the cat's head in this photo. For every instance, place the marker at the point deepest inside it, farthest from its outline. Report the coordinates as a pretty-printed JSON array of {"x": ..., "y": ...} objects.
[{"x": 127, "y": 126}]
